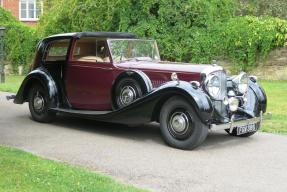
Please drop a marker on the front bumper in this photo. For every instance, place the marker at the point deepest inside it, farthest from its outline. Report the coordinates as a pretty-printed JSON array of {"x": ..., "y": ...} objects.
[{"x": 233, "y": 124}]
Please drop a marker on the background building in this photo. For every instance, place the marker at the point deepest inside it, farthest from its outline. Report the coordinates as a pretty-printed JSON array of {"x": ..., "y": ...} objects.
[{"x": 27, "y": 11}]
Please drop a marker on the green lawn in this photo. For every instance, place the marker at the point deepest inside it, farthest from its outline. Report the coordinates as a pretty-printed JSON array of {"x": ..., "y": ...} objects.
[
  {"x": 22, "y": 171},
  {"x": 12, "y": 83},
  {"x": 277, "y": 104}
]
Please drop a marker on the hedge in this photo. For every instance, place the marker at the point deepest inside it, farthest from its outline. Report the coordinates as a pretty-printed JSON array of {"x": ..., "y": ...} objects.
[
  {"x": 275, "y": 8},
  {"x": 6, "y": 17},
  {"x": 172, "y": 23},
  {"x": 186, "y": 30},
  {"x": 241, "y": 40},
  {"x": 19, "y": 42}
]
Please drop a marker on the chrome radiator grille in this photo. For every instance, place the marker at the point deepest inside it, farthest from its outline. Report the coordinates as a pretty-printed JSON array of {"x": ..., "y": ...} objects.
[
  {"x": 223, "y": 83},
  {"x": 220, "y": 108}
]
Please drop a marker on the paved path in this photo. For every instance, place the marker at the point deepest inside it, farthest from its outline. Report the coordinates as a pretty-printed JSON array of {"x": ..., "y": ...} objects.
[{"x": 139, "y": 156}]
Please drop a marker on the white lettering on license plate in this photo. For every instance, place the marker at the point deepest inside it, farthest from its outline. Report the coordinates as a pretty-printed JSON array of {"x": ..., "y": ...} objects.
[{"x": 246, "y": 129}]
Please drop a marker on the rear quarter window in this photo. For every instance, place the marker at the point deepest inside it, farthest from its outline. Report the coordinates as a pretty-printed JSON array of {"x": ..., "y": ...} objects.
[
  {"x": 91, "y": 49},
  {"x": 57, "y": 50}
]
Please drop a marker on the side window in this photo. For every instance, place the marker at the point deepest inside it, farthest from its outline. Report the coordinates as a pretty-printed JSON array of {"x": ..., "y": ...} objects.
[
  {"x": 90, "y": 49},
  {"x": 57, "y": 50}
]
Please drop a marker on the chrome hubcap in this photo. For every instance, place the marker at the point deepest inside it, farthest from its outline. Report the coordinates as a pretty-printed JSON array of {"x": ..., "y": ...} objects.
[
  {"x": 179, "y": 122},
  {"x": 38, "y": 102},
  {"x": 128, "y": 95}
]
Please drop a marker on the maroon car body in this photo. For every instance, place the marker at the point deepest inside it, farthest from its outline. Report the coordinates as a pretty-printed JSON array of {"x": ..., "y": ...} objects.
[
  {"x": 98, "y": 80},
  {"x": 117, "y": 77}
]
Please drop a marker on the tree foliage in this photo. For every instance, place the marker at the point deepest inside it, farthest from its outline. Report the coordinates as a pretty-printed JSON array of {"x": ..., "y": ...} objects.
[
  {"x": 19, "y": 41},
  {"x": 6, "y": 17},
  {"x": 244, "y": 40},
  {"x": 170, "y": 22},
  {"x": 186, "y": 30},
  {"x": 275, "y": 8}
]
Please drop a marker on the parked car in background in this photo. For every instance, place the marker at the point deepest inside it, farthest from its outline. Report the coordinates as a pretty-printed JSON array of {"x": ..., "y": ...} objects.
[{"x": 117, "y": 77}]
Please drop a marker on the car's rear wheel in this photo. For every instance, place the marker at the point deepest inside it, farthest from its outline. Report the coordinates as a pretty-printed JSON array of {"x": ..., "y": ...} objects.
[
  {"x": 127, "y": 91},
  {"x": 180, "y": 125},
  {"x": 38, "y": 104}
]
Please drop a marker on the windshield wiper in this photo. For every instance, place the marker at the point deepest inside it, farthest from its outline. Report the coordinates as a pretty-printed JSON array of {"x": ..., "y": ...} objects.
[
  {"x": 138, "y": 59},
  {"x": 143, "y": 58}
]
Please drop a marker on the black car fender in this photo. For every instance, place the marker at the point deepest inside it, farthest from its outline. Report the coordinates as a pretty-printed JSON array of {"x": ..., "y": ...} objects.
[
  {"x": 138, "y": 75},
  {"x": 43, "y": 77},
  {"x": 196, "y": 97},
  {"x": 259, "y": 94}
]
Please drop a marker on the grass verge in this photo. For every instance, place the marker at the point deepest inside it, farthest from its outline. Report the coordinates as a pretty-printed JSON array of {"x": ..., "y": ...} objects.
[
  {"x": 277, "y": 104},
  {"x": 11, "y": 84},
  {"x": 22, "y": 171}
]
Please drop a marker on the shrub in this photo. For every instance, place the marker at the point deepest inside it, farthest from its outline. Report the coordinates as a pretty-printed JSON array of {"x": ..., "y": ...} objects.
[
  {"x": 190, "y": 31},
  {"x": 242, "y": 40},
  {"x": 275, "y": 8},
  {"x": 172, "y": 23},
  {"x": 6, "y": 17},
  {"x": 19, "y": 42}
]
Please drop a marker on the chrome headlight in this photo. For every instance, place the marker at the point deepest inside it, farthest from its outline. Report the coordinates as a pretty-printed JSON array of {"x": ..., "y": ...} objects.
[
  {"x": 213, "y": 86},
  {"x": 241, "y": 83}
]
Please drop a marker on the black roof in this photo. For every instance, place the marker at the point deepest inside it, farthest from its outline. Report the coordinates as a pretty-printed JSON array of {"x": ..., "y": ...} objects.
[{"x": 96, "y": 34}]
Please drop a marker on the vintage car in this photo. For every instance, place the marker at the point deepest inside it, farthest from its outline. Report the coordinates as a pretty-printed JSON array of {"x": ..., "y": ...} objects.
[{"x": 119, "y": 78}]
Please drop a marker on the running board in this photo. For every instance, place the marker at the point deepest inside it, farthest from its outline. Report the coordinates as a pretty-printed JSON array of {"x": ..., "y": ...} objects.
[{"x": 83, "y": 112}]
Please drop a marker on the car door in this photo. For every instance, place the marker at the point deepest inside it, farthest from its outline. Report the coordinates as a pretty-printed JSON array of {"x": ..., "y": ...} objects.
[
  {"x": 54, "y": 59},
  {"x": 89, "y": 75}
]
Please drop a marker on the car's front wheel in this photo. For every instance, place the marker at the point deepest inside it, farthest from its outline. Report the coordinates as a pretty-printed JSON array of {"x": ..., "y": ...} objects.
[
  {"x": 38, "y": 105},
  {"x": 180, "y": 125}
]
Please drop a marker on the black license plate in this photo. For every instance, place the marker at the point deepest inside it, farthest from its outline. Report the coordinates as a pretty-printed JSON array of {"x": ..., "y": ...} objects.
[{"x": 246, "y": 129}]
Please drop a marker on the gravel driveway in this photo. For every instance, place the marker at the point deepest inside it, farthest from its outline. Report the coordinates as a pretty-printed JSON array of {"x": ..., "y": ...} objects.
[{"x": 138, "y": 155}]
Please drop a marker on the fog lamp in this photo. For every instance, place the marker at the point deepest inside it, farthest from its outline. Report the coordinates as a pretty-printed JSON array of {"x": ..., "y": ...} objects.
[{"x": 233, "y": 104}]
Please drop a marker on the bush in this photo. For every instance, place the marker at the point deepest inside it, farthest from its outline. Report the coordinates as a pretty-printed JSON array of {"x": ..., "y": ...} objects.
[
  {"x": 172, "y": 23},
  {"x": 247, "y": 39},
  {"x": 6, "y": 17},
  {"x": 19, "y": 42},
  {"x": 241, "y": 40},
  {"x": 275, "y": 8},
  {"x": 190, "y": 31}
]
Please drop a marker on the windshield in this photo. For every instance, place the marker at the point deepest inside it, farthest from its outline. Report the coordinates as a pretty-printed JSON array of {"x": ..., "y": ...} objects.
[{"x": 133, "y": 49}]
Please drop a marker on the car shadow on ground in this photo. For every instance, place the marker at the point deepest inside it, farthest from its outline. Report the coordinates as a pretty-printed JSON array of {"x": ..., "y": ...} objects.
[
  {"x": 143, "y": 132},
  {"x": 136, "y": 132}
]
